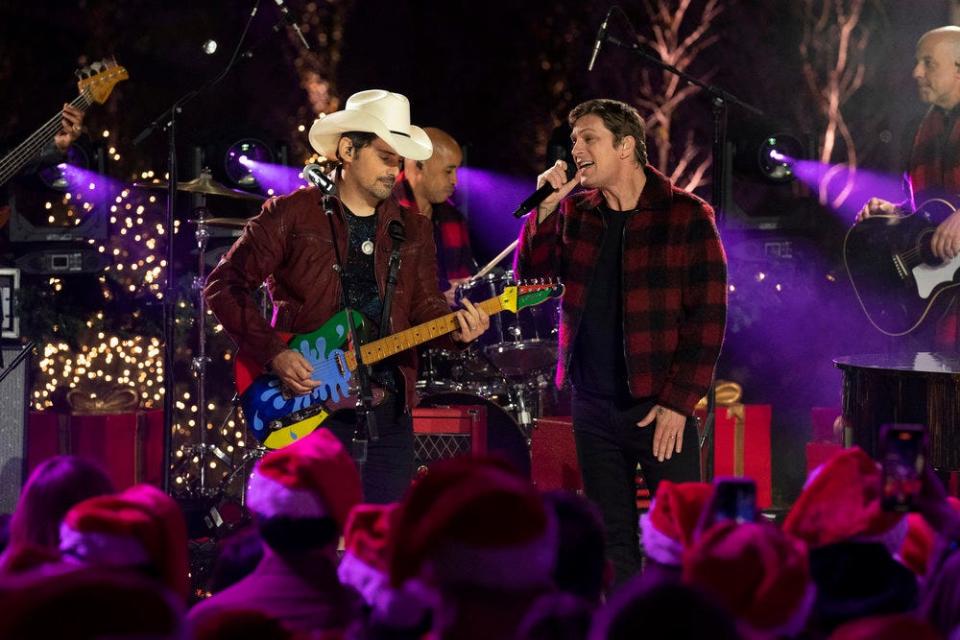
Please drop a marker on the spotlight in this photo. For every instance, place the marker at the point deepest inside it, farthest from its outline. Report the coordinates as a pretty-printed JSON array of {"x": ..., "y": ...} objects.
[
  {"x": 776, "y": 156},
  {"x": 241, "y": 156},
  {"x": 55, "y": 177},
  {"x": 209, "y": 47}
]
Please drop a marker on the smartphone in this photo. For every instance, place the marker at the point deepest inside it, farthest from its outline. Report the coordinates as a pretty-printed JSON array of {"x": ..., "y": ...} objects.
[
  {"x": 903, "y": 458},
  {"x": 733, "y": 499}
]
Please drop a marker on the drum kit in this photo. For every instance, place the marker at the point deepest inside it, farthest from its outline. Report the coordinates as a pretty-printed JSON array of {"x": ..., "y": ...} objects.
[{"x": 509, "y": 368}]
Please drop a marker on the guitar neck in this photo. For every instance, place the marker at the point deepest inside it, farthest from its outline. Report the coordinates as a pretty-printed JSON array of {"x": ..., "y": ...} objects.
[
  {"x": 30, "y": 148},
  {"x": 383, "y": 348}
]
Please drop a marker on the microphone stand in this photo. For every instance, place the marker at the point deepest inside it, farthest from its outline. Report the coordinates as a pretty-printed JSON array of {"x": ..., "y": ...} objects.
[
  {"x": 168, "y": 120},
  {"x": 719, "y": 99},
  {"x": 366, "y": 426}
]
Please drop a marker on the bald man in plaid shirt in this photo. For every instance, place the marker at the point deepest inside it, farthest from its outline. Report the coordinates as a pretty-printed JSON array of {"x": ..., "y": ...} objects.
[{"x": 642, "y": 318}]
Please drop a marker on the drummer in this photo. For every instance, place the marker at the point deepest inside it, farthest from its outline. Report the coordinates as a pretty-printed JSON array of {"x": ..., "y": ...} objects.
[{"x": 425, "y": 187}]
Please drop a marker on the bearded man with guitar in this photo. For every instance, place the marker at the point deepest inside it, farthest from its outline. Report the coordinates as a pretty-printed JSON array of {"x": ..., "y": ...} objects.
[
  {"x": 902, "y": 259},
  {"x": 289, "y": 244}
]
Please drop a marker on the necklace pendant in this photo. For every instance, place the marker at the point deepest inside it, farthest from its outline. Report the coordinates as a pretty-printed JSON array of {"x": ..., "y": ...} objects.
[{"x": 367, "y": 247}]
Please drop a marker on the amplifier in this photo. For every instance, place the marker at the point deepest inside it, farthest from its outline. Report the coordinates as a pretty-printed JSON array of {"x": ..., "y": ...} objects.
[
  {"x": 66, "y": 260},
  {"x": 448, "y": 432}
]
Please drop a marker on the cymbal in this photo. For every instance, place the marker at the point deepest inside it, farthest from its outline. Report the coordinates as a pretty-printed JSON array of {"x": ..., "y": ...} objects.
[
  {"x": 230, "y": 223},
  {"x": 204, "y": 184}
]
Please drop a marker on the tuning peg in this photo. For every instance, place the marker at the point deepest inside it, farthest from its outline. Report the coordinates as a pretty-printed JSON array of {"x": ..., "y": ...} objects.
[{"x": 97, "y": 67}]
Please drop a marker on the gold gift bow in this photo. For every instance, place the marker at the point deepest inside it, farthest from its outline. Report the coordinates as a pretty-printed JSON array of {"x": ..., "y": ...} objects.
[
  {"x": 115, "y": 400},
  {"x": 728, "y": 395}
]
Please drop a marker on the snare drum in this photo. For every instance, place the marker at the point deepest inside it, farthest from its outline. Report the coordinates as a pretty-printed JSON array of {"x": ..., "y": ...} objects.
[{"x": 517, "y": 344}]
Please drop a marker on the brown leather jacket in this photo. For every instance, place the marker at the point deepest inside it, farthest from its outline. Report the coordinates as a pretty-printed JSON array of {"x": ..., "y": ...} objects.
[{"x": 289, "y": 245}]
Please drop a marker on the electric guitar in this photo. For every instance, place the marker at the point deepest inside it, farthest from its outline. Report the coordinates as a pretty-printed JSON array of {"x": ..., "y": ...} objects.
[
  {"x": 95, "y": 84},
  {"x": 895, "y": 275},
  {"x": 276, "y": 418}
]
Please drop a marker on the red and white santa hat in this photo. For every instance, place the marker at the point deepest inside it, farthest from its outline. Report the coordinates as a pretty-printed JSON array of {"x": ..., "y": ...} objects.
[
  {"x": 139, "y": 527},
  {"x": 841, "y": 502},
  {"x": 757, "y": 572},
  {"x": 314, "y": 477},
  {"x": 471, "y": 522},
  {"x": 667, "y": 528},
  {"x": 365, "y": 566}
]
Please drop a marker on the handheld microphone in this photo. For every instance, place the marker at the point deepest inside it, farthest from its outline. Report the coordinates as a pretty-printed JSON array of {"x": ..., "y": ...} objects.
[
  {"x": 601, "y": 36},
  {"x": 315, "y": 176},
  {"x": 290, "y": 20},
  {"x": 534, "y": 199}
]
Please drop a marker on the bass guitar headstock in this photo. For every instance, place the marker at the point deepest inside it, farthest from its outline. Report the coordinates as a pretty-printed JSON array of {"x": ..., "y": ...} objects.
[{"x": 98, "y": 79}]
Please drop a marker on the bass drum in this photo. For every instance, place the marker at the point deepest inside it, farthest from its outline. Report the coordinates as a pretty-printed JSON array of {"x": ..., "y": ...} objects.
[{"x": 504, "y": 437}]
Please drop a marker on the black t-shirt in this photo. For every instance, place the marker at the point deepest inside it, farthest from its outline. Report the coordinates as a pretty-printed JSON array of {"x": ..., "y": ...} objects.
[
  {"x": 360, "y": 281},
  {"x": 599, "y": 364}
]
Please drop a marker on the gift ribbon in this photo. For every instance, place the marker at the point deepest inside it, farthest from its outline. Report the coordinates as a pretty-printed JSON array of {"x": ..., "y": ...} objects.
[
  {"x": 116, "y": 400},
  {"x": 728, "y": 395}
]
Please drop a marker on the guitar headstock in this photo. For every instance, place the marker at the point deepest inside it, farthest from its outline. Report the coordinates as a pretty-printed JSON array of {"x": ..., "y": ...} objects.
[
  {"x": 530, "y": 292},
  {"x": 99, "y": 78}
]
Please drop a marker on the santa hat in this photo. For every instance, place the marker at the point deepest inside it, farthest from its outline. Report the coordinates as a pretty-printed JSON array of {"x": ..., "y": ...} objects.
[
  {"x": 470, "y": 522},
  {"x": 667, "y": 528},
  {"x": 365, "y": 566},
  {"x": 313, "y": 477},
  {"x": 139, "y": 527},
  {"x": 841, "y": 502},
  {"x": 919, "y": 541},
  {"x": 757, "y": 572}
]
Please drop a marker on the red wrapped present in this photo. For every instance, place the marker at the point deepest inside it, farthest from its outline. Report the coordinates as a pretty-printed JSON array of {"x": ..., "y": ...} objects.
[
  {"x": 129, "y": 446},
  {"x": 741, "y": 439}
]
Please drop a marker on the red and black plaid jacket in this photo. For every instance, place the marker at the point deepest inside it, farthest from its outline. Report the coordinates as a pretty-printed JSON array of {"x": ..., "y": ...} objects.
[
  {"x": 934, "y": 164},
  {"x": 675, "y": 276},
  {"x": 450, "y": 233}
]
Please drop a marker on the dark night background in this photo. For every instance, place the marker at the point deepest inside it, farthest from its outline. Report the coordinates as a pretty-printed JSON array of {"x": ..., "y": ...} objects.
[{"x": 500, "y": 76}]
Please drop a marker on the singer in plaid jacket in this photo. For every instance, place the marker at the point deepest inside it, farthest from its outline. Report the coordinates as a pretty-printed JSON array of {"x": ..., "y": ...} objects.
[{"x": 642, "y": 317}]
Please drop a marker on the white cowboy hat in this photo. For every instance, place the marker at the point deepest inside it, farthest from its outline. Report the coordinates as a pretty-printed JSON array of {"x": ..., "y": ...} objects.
[{"x": 384, "y": 113}]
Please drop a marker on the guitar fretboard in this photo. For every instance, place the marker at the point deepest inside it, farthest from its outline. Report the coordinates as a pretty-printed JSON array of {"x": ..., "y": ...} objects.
[
  {"x": 383, "y": 348},
  {"x": 32, "y": 146}
]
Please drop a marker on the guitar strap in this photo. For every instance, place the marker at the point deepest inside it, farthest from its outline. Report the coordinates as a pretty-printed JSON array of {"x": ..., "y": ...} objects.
[{"x": 396, "y": 232}]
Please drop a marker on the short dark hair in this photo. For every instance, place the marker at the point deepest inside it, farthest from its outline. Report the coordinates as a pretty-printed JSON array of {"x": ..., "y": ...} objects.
[
  {"x": 297, "y": 535},
  {"x": 359, "y": 140},
  {"x": 581, "y": 553},
  {"x": 620, "y": 118}
]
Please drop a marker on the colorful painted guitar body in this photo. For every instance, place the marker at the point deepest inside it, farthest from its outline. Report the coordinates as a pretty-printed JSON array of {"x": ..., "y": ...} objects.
[{"x": 276, "y": 418}]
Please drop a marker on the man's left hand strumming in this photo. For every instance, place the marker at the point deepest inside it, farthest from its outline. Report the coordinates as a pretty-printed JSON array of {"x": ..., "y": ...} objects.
[
  {"x": 473, "y": 322},
  {"x": 668, "y": 432}
]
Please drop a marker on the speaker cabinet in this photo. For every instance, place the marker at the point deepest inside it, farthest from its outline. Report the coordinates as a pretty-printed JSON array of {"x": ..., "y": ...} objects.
[{"x": 13, "y": 421}]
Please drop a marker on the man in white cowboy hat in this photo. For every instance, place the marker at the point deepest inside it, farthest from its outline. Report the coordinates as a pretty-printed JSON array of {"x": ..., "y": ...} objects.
[{"x": 290, "y": 246}]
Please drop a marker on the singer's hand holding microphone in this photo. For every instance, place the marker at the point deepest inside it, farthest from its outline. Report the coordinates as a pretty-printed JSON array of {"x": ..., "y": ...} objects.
[{"x": 555, "y": 176}]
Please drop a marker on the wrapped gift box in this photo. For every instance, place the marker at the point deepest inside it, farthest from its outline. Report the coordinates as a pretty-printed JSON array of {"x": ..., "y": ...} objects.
[
  {"x": 129, "y": 446},
  {"x": 741, "y": 445}
]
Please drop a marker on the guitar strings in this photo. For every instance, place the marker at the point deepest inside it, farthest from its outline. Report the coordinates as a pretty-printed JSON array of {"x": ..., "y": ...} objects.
[{"x": 35, "y": 143}]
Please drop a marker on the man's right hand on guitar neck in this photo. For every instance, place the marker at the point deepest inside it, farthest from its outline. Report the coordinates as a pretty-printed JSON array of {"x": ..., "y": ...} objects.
[
  {"x": 878, "y": 206},
  {"x": 294, "y": 371}
]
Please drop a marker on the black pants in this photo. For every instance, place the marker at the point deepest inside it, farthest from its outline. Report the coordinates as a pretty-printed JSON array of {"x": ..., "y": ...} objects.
[
  {"x": 609, "y": 446},
  {"x": 389, "y": 466}
]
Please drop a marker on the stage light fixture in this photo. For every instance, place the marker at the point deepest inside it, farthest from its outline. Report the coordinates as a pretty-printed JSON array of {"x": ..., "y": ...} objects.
[
  {"x": 776, "y": 156},
  {"x": 55, "y": 177},
  {"x": 239, "y": 158}
]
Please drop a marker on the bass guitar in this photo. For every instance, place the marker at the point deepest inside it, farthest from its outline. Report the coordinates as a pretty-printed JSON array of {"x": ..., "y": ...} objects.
[
  {"x": 895, "y": 276},
  {"x": 276, "y": 418},
  {"x": 96, "y": 83}
]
